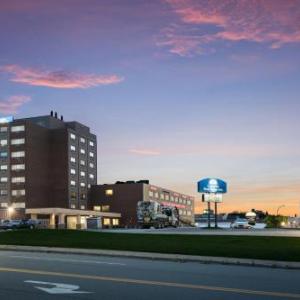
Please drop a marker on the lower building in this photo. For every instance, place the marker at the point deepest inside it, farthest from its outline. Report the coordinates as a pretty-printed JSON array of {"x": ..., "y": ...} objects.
[{"x": 123, "y": 197}]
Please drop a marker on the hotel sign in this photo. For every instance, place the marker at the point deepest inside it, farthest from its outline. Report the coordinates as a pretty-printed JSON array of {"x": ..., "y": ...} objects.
[{"x": 212, "y": 185}]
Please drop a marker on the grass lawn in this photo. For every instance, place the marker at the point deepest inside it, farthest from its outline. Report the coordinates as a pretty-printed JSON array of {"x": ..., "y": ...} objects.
[{"x": 256, "y": 247}]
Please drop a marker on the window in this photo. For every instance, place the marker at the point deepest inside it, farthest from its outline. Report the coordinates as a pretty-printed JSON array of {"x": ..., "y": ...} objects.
[
  {"x": 3, "y": 193},
  {"x": 18, "y": 179},
  {"x": 72, "y": 136},
  {"x": 91, "y": 154},
  {"x": 3, "y": 143},
  {"x": 82, "y": 206},
  {"x": 18, "y": 167},
  {"x": 105, "y": 208},
  {"x": 3, "y": 129},
  {"x": 189, "y": 202},
  {"x": 91, "y": 165},
  {"x": 92, "y": 176},
  {"x": 162, "y": 196},
  {"x": 3, "y": 179},
  {"x": 73, "y": 148},
  {"x": 18, "y": 193},
  {"x": 18, "y": 154},
  {"x": 151, "y": 194},
  {"x": 189, "y": 213},
  {"x": 82, "y": 184},
  {"x": 82, "y": 173},
  {"x": 172, "y": 198},
  {"x": 3, "y": 154},
  {"x": 19, "y": 205},
  {"x": 17, "y": 128},
  {"x": 82, "y": 140},
  {"x": 82, "y": 162},
  {"x": 73, "y": 182},
  {"x": 167, "y": 197},
  {"x": 156, "y": 195},
  {"x": 115, "y": 222},
  {"x": 109, "y": 192},
  {"x": 82, "y": 151},
  {"x": 3, "y": 205},
  {"x": 176, "y": 199},
  {"x": 82, "y": 196},
  {"x": 17, "y": 141},
  {"x": 72, "y": 206},
  {"x": 97, "y": 208},
  {"x": 73, "y": 171},
  {"x": 73, "y": 195},
  {"x": 3, "y": 167},
  {"x": 106, "y": 222},
  {"x": 73, "y": 159},
  {"x": 92, "y": 144},
  {"x": 89, "y": 186}
]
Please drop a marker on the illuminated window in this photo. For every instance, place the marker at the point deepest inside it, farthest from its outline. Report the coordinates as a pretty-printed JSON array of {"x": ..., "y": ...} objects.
[
  {"x": 19, "y": 205},
  {"x": 3, "y": 193},
  {"x": 91, "y": 143},
  {"x": 106, "y": 221},
  {"x": 18, "y": 167},
  {"x": 92, "y": 176},
  {"x": 3, "y": 167},
  {"x": 73, "y": 148},
  {"x": 73, "y": 183},
  {"x": 82, "y": 173},
  {"x": 97, "y": 208},
  {"x": 72, "y": 136},
  {"x": 82, "y": 140},
  {"x": 91, "y": 154},
  {"x": 91, "y": 165},
  {"x": 115, "y": 222},
  {"x": 72, "y": 206},
  {"x": 109, "y": 192},
  {"x": 82, "y": 162},
  {"x": 73, "y": 171},
  {"x": 72, "y": 159},
  {"x": 3, "y": 143},
  {"x": 18, "y": 154},
  {"x": 17, "y": 128},
  {"x": 105, "y": 208},
  {"x": 82, "y": 184},
  {"x": 82, "y": 206},
  {"x": 18, "y": 141},
  {"x": 3, "y": 204},
  {"x": 18, "y": 179},
  {"x": 3, "y": 154},
  {"x": 82, "y": 196},
  {"x": 82, "y": 151},
  {"x": 3, "y": 179},
  {"x": 3, "y": 129},
  {"x": 18, "y": 193}
]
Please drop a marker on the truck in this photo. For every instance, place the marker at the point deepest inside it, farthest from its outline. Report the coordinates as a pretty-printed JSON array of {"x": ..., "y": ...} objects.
[{"x": 154, "y": 214}]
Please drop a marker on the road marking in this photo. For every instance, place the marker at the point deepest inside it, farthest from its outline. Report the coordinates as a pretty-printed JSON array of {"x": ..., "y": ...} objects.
[
  {"x": 154, "y": 283},
  {"x": 58, "y": 288},
  {"x": 68, "y": 260}
]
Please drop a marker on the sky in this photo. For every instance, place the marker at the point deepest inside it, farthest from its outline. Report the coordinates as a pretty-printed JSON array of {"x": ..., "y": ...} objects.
[{"x": 176, "y": 90}]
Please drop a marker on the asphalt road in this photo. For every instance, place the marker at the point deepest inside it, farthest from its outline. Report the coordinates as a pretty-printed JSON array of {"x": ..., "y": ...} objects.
[
  {"x": 32, "y": 276},
  {"x": 201, "y": 231}
]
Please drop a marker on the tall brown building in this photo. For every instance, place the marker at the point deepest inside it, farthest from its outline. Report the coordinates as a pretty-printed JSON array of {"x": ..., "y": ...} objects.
[
  {"x": 45, "y": 162},
  {"x": 124, "y": 196}
]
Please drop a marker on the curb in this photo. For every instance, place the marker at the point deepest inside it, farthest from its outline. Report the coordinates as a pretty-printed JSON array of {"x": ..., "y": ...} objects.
[{"x": 158, "y": 256}]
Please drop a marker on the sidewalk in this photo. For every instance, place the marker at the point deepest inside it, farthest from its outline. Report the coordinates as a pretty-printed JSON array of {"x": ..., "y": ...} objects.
[{"x": 157, "y": 256}]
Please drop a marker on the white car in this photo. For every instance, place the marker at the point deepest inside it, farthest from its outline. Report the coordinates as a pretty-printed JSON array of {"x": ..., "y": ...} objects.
[{"x": 240, "y": 224}]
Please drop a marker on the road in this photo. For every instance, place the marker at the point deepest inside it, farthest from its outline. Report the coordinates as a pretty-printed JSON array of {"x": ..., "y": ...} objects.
[
  {"x": 25, "y": 276},
  {"x": 201, "y": 231}
]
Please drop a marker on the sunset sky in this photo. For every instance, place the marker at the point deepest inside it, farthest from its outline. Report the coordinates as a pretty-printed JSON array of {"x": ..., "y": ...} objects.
[{"x": 176, "y": 90}]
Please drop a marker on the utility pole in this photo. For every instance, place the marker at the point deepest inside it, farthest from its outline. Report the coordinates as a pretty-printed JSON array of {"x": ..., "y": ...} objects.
[
  {"x": 216, "y": 214},
  {"x": 208, "y": 208}
]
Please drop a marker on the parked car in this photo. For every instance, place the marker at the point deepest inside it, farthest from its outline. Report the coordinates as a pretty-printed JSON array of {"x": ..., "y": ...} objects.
[
  {"x": 19, "y": 224},
  {"x": 240, "y": 224}
]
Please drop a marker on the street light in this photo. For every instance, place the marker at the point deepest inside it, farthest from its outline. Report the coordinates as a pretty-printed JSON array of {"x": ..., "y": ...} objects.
[
  {"x": 10, "y": 211},
  {"x": 281, "y": 206}
]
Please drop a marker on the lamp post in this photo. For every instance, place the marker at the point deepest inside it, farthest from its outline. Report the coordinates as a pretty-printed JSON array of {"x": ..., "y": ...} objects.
[{"x": 281, "y": 206}]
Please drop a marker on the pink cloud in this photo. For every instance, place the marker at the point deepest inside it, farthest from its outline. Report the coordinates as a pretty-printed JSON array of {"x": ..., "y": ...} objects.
[
  {"x": 58, "y": 79},
  {"x": 275, "y": 23},
  {"x": 147, "y": 152},
  {"x": 13, "y": 103}
]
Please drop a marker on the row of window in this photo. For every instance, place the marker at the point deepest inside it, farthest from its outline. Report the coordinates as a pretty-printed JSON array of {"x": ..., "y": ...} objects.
[
  {"x": 103, "y": 208},
  {"x": 82, "y": 162},
  {"x": 15, "y": 205},
  {"x": 73, "y": 206},
  {"x": 74, "y": 196},
  {"x": 82, "y": 174},
  {"x": 185, "y": 212},
  {"x": 82, "y": 184},
  {"x": 171, "y": 198},
  {"x": 82, "y": 151},
  {"x": 17, "y": 167},
  {"x": 17, "y": 128},
  {"x": 14, "y": 154},
  {"x": 4, "y": 142},
  {"x": 15, "y": 193},
  {"x": 13, "y": 179},
  {"x": 82, "y": 140}
]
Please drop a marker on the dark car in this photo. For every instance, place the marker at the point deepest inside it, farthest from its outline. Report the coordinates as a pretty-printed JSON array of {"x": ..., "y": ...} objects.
[{"x": 19, "y": 224}]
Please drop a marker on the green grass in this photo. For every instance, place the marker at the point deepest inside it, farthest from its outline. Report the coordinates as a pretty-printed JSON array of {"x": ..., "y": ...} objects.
[{"x": 256, "y": 247}]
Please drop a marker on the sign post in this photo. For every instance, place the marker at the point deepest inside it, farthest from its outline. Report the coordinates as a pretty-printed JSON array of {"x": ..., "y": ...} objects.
[{"x": 212, "y": 190}]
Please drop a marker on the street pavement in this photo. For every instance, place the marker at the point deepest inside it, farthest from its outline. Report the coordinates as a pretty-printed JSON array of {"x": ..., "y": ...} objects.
[
  {"x": 202, "y": 231},
  {"x": 33, "y": 276}
]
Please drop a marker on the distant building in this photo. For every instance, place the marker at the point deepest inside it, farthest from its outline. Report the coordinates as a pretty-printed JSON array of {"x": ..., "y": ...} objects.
[{"x": 124, "y": 196}]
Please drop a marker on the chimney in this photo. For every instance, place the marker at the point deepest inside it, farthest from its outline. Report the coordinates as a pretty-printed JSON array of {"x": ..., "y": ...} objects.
[
  {"x": 55, "y": 115},
  {"x": 51, "y": 113}
]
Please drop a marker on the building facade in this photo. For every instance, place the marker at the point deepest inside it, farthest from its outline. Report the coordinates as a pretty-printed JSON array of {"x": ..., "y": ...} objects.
[
  {"x": 45, "y": 162},
  {"x": 124, "y": 196}
]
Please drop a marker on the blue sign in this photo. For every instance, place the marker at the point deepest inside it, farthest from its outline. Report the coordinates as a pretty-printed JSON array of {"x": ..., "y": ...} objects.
[
  {"x": 6, "y": 119},
  {"x": 212, "y": 185}
]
